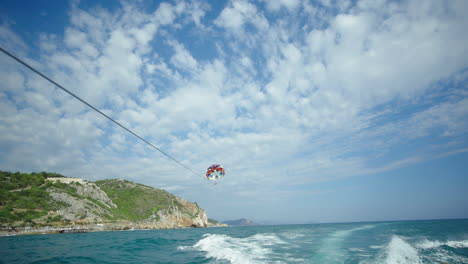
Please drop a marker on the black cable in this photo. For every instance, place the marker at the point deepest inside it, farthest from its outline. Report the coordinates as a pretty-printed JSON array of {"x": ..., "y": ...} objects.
[{"x": 94, "y": 108}]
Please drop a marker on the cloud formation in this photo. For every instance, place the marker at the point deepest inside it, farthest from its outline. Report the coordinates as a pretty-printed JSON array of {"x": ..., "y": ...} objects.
[{"x": 281, "y": 93}]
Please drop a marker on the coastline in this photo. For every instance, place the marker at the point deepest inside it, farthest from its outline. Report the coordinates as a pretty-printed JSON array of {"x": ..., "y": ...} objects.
[{"x": 87, "y": 228}]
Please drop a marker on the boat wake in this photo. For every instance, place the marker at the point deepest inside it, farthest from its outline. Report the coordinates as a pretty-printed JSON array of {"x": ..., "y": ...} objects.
[
  {"x": 400, "y": 251},
  {"x": 253, "y": 249}
]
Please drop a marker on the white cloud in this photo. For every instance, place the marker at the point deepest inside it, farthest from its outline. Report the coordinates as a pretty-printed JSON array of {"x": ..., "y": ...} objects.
[
  {"x": 239, "y": 13},
  {"x": 13, "y": 81},
  {"x": 283, "y": 100},
  {"x": 165, "y": 14},
  {"x": 10, "y": 41},
  {"x": 182, "y": 59},
  {"x": 198, "y": 11},
  {"x": 277, "y": 5},
  {"x": 449, "y": 118}
]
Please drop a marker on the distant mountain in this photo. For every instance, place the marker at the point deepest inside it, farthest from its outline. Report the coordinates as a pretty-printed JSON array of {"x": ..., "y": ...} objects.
[
  {"x": 240, "y": 222},
  {"x": 293, "y": 222}
]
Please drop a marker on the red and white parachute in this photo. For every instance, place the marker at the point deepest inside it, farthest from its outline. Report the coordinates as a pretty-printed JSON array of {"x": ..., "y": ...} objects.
[{"x": 215, "y": 172}]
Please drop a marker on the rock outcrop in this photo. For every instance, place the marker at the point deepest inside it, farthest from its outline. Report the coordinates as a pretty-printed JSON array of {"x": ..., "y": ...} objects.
[
  {"x": 87, "y": 203},
  {"x": 193, "y": 216}
]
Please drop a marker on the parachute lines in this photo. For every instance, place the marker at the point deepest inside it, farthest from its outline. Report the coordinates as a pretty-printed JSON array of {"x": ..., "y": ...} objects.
[{"x": 95, "y": 109}]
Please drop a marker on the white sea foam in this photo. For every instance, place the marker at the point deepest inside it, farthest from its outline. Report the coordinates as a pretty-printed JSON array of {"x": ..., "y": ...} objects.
[
  {"x": 356, "y": 250},
  {"x": 254, "y": 249},
  {"x": 292, "y": 236},
  {"x": 398, "y": 251},
  {"x": 427, "y": 244},
  {"x": 441, "y": 254},
  {"x": 182, "y": 248},
  {"x": 376, "y": 247}
]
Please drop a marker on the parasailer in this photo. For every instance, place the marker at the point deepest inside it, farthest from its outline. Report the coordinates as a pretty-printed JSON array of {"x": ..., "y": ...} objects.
[{"x": 215, "y": 172}]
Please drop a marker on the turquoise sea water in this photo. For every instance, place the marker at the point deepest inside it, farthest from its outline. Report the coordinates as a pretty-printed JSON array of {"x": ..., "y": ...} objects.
[{"x": 439, "y": 241}]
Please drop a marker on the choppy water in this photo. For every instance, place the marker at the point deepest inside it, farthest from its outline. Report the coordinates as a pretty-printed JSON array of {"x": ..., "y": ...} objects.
[{"x": 441, "y": 241}]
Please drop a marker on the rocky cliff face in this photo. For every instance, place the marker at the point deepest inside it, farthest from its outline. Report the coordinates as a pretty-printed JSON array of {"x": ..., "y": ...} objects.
[
  {"x": 151, "y": 207},
  {"x": 85, "y": 202},
  {"x": 141, "y": 206},
  {"x": 190, "y": 216}
]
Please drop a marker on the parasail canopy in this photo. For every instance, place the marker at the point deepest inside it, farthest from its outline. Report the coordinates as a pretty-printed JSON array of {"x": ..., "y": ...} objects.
[{"x": 215, "y": 172}]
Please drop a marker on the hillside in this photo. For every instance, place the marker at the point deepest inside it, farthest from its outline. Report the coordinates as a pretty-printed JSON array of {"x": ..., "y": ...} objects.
[
  {"x": 240, "y": 222},
  {"x": 49, "y": 202}
]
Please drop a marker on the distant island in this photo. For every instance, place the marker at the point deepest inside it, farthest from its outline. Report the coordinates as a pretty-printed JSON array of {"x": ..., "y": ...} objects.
[
  {"x": 240, "y": 222},
  {"x": 52, "y": 203}
]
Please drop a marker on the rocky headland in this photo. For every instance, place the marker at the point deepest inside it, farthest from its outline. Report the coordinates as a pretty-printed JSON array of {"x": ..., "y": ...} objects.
[{"x": 51, "y": 203}]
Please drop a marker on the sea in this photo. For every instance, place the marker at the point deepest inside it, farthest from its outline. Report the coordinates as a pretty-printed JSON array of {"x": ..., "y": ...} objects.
[{"x": 435, "y": 241}]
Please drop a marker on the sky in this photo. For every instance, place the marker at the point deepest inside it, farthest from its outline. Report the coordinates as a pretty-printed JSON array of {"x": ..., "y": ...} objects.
[{"x": 320, "y": 111}]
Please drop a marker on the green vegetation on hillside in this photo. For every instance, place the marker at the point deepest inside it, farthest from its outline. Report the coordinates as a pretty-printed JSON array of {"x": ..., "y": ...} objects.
[
  {"x": 214, "y": 222},
  {"x": 23, "y": 196},
  {"x": 27, "y": 199},
  {"x": 136, "y": 201}
]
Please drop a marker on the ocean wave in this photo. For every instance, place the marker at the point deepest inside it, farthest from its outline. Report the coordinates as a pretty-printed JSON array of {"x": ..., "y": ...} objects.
[
  {"x": 400, "y": 251},
  {"x": 397, "y": 251},
  {"x": 292, "y": 235},
  {"x": 445, "y": 252},
  {"x": 427, "y": 244},
  {"x": 254, "y": 249},
  {"x": 356, "y": 250},
  {"x": 376, "y": 247}
]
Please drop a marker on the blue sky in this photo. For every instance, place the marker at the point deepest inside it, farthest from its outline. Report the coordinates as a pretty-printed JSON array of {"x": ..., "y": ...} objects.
[{"x": 323, "y": 111}]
